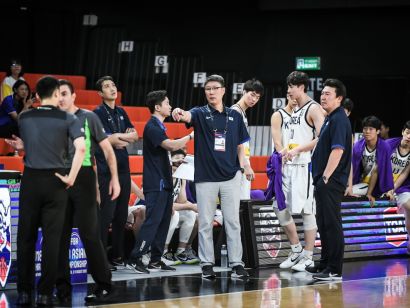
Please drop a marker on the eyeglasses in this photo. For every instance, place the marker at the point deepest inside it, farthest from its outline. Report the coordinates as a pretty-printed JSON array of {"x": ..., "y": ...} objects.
[{"x": 212, "y": 89}]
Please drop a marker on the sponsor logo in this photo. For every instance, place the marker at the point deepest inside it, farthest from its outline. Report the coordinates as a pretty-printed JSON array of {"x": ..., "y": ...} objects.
[{"x": 396, "y": 234}]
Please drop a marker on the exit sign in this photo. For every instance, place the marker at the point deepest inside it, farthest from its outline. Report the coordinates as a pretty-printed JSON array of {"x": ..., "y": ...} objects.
[{"x": 308, "y": 63}]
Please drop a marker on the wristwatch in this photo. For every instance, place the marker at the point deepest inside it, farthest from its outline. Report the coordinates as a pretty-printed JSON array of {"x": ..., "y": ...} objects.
[
  {"x": 242, "y": 170},
  {"x": 324, "y": 179}
]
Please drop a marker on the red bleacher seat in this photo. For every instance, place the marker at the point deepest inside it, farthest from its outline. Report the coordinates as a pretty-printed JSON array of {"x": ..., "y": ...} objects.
[
  {"x": 79, "y": 82},
  {"x": 260, "y": 181},
  {"x": 139, "y": 127},
  {"x": 5, "y": 148},
  {"x": 190, "y": 147},
  {"x": 12, "y": 163},
  {"x": 258, "y": 163},
  {"x": 136, "y": 163},
  {"x": 137, "y": 179},
  {"x": 137, "y": 114},
  {"x": 2, "y": 76},
  {"x": 91, "y": 97},
  {"x": 176, "y": 130}
]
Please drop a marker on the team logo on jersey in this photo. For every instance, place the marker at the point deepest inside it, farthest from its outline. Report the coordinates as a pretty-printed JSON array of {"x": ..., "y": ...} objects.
[
  {"x": 394, "y": 227},
  {"x": 5, "y": 235}
]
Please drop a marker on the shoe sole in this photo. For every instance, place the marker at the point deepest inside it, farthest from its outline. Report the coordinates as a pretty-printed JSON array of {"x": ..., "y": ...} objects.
[
  {"x": 192, "y": 262},
  {"x": 328, "y": 278},
  {"x": 242, "y": 277},
  {"x": 208, "y": 276}
]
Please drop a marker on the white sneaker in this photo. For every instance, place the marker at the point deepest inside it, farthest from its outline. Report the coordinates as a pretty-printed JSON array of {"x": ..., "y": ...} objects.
[
  {"x": 293, "y": 258},
  {"x": 303, "y": 264}
]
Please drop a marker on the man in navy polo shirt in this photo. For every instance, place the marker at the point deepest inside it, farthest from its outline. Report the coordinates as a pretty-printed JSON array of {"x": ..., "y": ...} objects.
[
  {"x": 120, "y": 132},
  {"x": 330, "y": 170},
  {"x": 158, "y": 187},
  {"x": 219, "y": 159}
]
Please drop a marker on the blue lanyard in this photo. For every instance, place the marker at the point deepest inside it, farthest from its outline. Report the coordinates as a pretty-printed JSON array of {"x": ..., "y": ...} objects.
[
  {"x": 115, "y": 127},
  {"x": 212, "y": 119}
]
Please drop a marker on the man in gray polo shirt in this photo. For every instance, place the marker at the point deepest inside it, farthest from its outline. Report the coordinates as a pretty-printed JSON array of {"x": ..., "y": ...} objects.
[{"x": 43, "y": 194}]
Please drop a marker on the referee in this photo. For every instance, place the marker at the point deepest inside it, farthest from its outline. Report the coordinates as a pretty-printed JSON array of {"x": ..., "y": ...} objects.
[{"x": 43, "y": 196}]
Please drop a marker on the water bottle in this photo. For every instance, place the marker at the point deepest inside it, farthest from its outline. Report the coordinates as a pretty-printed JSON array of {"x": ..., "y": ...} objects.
[{"x": 224, "y": 256}]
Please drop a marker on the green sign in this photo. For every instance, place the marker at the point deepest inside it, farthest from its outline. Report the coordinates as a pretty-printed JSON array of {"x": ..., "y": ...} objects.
[{"x": 308, "y": 63}]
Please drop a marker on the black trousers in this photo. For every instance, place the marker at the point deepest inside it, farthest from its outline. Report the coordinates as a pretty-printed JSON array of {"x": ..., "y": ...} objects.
[
  {"x": 154, "y": 230},
  {"x": 114, "y": 212},
  {"x": 329, "y": 221},
  {"x": 82, "y": 212},
  {"x": 43, "y": 199}
]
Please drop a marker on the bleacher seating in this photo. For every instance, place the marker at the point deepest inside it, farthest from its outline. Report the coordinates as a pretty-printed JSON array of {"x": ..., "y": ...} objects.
[
  {"x": 5, "y": 148},
  {"x": 140, "y": 114},
  {"x": 260, "y": 181},
  {"x": 136, "y": 163},
  {"x": 79, "y": 82},
  {"x": 12, "y": 163},
  {"x": 91, "y": 97}
]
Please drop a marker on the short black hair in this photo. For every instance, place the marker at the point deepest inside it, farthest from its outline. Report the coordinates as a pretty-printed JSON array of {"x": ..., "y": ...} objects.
[
  {"x": 254, "y": 85},
  {"x": 406, "y": 125},
  {"x": 216, "y": 78},
  {"x": 46, "y": 86},
  {"x": 177, "y": 152},
  {"x": 339, "y": 87},
  {"x": 65, "y": 82},
  {"x": 298, "y": 78},
  {"x": 348, "y": 104},
  {"x": 20, "y": 82},
  {"x": 155, "y": 98},
  {"x": 372, "y": 121},
  {"x": 98, "y": 84}
]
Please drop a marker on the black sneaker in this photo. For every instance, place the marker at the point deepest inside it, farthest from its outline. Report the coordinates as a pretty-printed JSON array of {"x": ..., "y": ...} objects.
[
  {"x": 160, "y": 266},
  {"x": 208, "y": 272},
  {"x": 111, "y": 267},
  {"x": 102, "y": 296},
  {"x": 137, "y": 266},
  {"x": 239, "y": 272},
  {"x": 327, "y": 275},
  {"x": 317, "y": 268},
  {"x": 118, "y": 262}
]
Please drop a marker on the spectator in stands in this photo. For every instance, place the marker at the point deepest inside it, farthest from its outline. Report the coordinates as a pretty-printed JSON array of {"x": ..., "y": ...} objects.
[
  {"x": 157, "y": 183},
  {"x": 219, "y": 157},
  {"x": 331, "y": 161},
  {"x": 372, "y": 174},
  {"x": 252, "y": 92},
  {"x": 82, "y": 205},
  {"x": 348, "y": 106},
  {"x": 400, "y": 160},
  {"x": 120, "y": 133},
  {"x": 14, "y": 73},
  {"x": 304, "y": 127},
  {"x": 384, "y": 131},
  {"x": 184, "y": 217},
  {"x": 11, "y": 107},
  {"x": 43, "y": 193}
]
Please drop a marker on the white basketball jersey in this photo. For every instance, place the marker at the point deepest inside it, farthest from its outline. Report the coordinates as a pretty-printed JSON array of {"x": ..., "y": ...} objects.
[
  {"x": 301, "y": 132},
  {"x": 285, "y": 128},
  {"x": 368, "y": 163},
  {"x": 398, "y": 163},
  {"x": 247, "y": 144}
]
